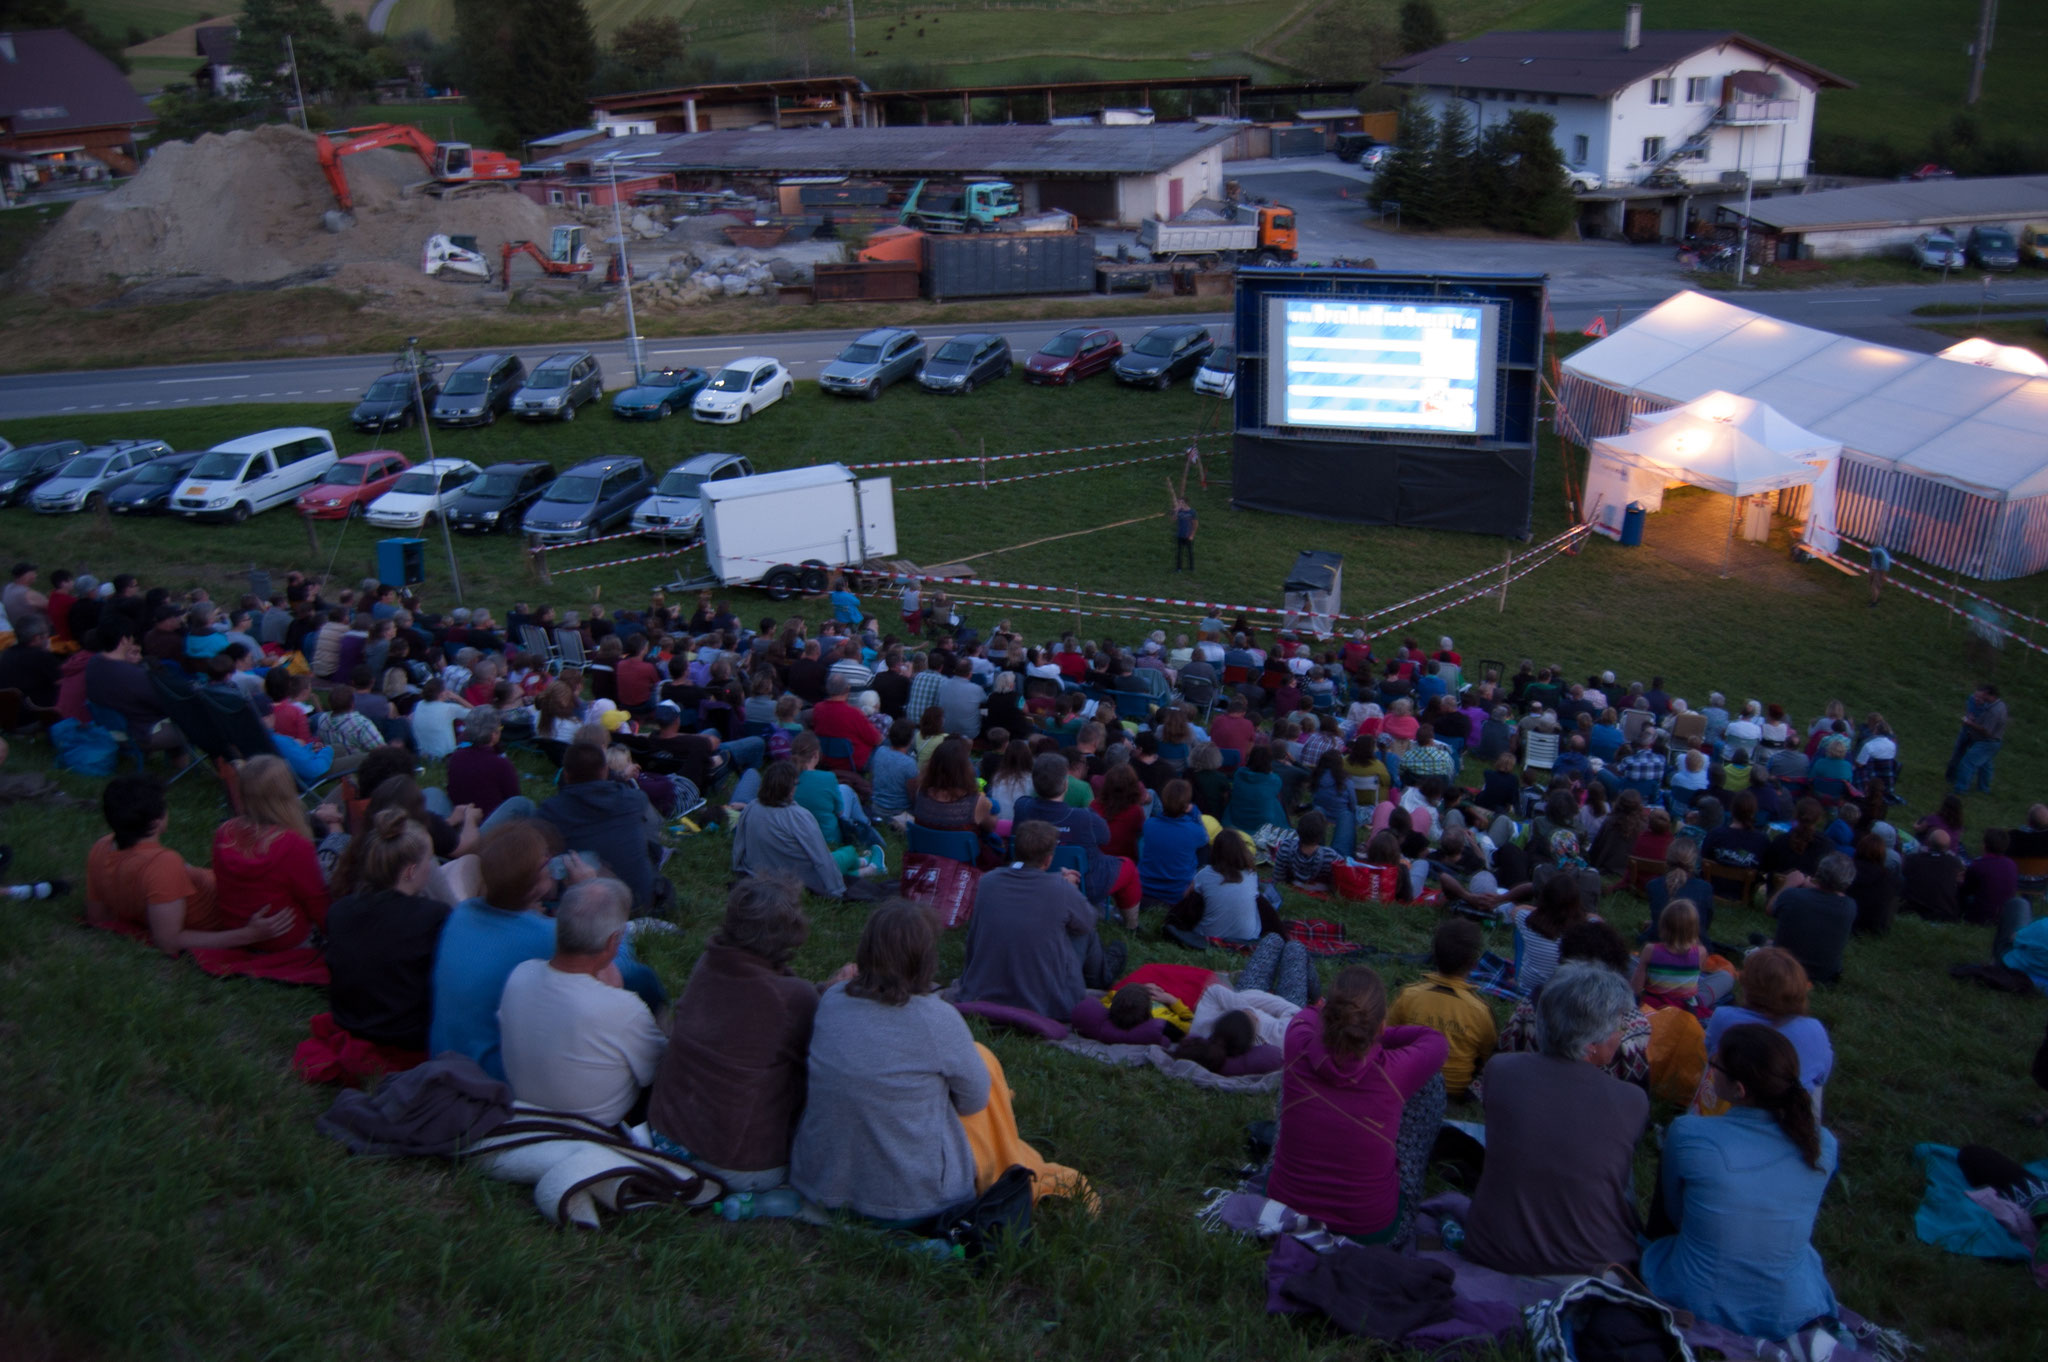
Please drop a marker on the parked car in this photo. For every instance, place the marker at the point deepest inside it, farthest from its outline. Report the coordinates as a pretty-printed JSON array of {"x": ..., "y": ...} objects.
[
  {"x": 674, "y": 510},
  {"x": 149, "y": 489},
  {"x": 872, "y": 363},
  {"x": 237, "y": 479},
  {"x": 1072, "y": 355},
  {"x": 558, "y": 385},
  {"x": 356, "y": 480},
  {"x": 1938, "y": 251},
  {"x": 1582, "y": 181},
  {"x": 29, "y": 467},
  {"x": 966, "y": 362},
  {"x": 498, "y": 500},
  {"x": 1931, "y": 171},
  {"x": 479, "y": 391},
  {"x": 1164, "y": 354},
  {"x": 388, "y": 403},
  {"x": 2034, "y": 244},
  {"x": 1992, "y": 248},
  {"x": 84, "y": 481},
  {"x": 742, "y": 388},
  {"x": 1372, "y": 158},
  {"x": 659, "y": 394},
  {"x": 592, "y": 498},
  {"x": 422, "y": 493},
  {"x": 1218, "y": 375}
]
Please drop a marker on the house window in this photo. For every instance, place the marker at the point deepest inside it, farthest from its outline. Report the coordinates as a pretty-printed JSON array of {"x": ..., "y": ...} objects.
[
  {"x": 1653, "y": 149},
  {"x": 583, "y": 198},
  {"x": 555, "y": 197},
  {"x": 1581, "y": 148},
  {"x": 1660, "y": 90},
  {"x": 1699, "y": 89}
]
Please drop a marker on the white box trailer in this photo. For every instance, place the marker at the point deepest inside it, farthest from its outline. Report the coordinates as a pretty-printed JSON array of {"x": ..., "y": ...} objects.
[{"x": 786, "y": 531}]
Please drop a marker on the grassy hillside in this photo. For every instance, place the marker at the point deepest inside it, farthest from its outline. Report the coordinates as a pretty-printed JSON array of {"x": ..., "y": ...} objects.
[{"x": 135, "y": 21}]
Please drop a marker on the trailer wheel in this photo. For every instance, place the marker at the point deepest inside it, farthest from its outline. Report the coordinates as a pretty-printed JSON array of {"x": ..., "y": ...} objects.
[
  {"x": 780, "y": 584},
  {"x": 815, "y": 576}
]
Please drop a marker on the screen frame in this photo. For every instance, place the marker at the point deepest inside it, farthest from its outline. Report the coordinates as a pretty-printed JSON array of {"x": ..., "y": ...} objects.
[{"x": 1486, "y": 414}]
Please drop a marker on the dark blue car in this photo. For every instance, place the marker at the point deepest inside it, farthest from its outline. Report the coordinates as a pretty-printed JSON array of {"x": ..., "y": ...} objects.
[{"x": 149, "y": 489}]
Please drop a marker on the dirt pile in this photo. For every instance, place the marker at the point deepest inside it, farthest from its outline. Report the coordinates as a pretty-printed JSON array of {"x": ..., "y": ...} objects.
[{"x": 244, "y": 209}]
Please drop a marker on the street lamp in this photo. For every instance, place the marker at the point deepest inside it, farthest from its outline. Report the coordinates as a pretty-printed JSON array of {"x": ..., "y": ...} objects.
[{"x": 625, "y": 265}]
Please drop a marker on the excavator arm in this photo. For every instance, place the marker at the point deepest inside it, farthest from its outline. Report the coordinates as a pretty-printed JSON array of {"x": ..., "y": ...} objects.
[{"x": 349, "y": 141}]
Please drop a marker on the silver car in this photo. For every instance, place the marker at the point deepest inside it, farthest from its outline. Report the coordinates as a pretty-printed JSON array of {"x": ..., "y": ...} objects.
[
  {"x": 872, "y": 363},
  {"x": 83, "y": 483},
  {"x": 558, "y": 385},
  {"x": 675, "y": 510},
  {"x": 1938, "y": 251}
]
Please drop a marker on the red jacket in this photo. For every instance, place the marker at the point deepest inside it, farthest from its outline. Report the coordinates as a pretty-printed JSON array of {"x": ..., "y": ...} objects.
[{"x": 838, "y": 719}]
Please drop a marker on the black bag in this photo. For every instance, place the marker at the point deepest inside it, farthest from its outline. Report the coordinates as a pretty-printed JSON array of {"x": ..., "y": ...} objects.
[{"x": 1002, "y": 1212}]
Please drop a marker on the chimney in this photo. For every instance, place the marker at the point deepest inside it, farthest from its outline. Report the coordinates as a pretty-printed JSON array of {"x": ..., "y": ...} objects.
[{"x": 1632, "y": 29}]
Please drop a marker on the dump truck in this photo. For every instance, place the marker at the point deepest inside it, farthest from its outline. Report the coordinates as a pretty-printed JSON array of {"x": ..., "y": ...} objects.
[
  {"x": 1262, "y": 235},
  {"x": 976, "y": 206}
]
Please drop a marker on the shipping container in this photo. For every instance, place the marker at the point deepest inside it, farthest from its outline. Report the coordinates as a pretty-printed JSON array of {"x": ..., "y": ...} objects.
[
  {"x": 892, "y": 281},
  {"x": 987, "y": 266},
  {"x": 1298, "y": 141}
]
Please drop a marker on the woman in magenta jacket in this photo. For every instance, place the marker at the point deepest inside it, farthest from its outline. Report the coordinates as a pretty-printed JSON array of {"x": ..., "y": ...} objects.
[{"x": 1360, "y": 1103}]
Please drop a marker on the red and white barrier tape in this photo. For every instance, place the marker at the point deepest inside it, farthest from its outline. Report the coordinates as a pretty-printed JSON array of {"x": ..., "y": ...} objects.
[
  {"x": 545, "y": 547},
  {"x": 1029, "y": 454},
  {"x": 621, "y": 562},
  {"x": 1558, "y": 540},
  {"x": 1027, "y": 477},
  {"x": 1106, "y": 595},
  {"x": 1474, "y": 596},
  {"x": 1959, "y": 589},
  {"x": 1975, "y": 621}
]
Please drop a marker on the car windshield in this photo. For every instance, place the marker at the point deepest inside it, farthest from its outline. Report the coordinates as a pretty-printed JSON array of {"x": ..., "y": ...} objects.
[
  {"x": 665, "y": 378},
  {"x": 20, "y": 461},
  {"x": 677, "y": 483},
  {"x": 345, "y": 475},
  {"x": 1065, "y": 345},
  {"x": 734, "y": 380},
  {"x": 159, "y": 473},
  {"x": 1220, "y": 358},
  {"x": 575, "y": 491},
  {"x": 496, "y": 485},
  {"x": 221, "y": 465},
  {"x": 417, "y": 484},
  {"x": 1941, "y": 239},
  {"x": 90, "y": 466},
  {"x": 860, "y": 354},
  {"x": 1997, "y": 241},
  {"x": 389, "y": 388},
  {"x": 1155, "y": 343},
  {"x": 548, "y": 378},
  {"x": 465, "y": 385},
  {"x": 957, "y": 352}
]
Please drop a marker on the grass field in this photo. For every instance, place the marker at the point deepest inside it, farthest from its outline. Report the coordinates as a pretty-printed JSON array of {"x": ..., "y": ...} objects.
[
  {"x": 118, "y": 19},
  {"x": 167, "y": 1197},
  {"x": 2027, "y": 333}
]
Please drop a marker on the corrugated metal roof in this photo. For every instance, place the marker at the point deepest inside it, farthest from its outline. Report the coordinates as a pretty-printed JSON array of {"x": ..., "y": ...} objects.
[
  {"x": 1012, "y": 149},
  {"x": 1574, "y": 62},
  {"x": 1908, "y": 203}
]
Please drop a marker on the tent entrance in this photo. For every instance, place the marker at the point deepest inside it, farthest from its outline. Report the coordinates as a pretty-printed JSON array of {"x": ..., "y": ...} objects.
[{"x": 1692, "y": 531}]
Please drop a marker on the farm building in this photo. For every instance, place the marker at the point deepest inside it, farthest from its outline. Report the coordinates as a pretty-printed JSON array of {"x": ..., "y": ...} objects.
[
  {"x": 1104, "y": 175},
  {"x": 66, "y": 112},
  {"x": 1883, "y": 219},
  {"x": 809, "y": 102},
  {"x": 1942, "y": 458}
]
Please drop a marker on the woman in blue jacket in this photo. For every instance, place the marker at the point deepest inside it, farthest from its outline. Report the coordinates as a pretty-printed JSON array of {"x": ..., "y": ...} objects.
[
  {"x": 1743, "y": 1190},
  {"x": 1173, "y": 845}
]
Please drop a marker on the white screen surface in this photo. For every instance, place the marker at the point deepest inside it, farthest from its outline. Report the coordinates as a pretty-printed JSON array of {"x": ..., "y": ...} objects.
[{"x": 1368, "y": 365}]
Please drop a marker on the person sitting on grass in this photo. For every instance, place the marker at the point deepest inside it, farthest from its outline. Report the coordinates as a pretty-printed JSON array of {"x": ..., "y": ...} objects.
[
  {"x": 605, "y": 819},
  {"x": 382, "y": 939},
  {"x": 731, "y": 1082},
  {"x": 1667, "y": 973},
  {"x": 1557, "y": 1195},
  {"x": 1222, "y": 901},
  {"x": 1301, "y": 857},
  {"x": 1360, "y": 1104},
  {"x": 777, "y": 836},
  {"x": 1597, "y": 943},
  {"x": 1445, "y": 1001},
  {"x": 1031, "y": 942},
  {"x": 1742, "y": 1191},
  {"x": 1774, "y": 993},
  {"x": 1255, "y": 793},
  {"x": 133, "y": 878},
  {"x": 264, "y": 858},
  {"x": 1174, "y": 845},
  {"x": 1105, "y": 877},
  {"x": 573, "y": 1037},
  {"x": 1815, "y": 917}
]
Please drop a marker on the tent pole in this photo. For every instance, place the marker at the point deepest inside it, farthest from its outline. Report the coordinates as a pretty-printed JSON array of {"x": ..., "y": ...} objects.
[{"x": 1728, "y": 544}]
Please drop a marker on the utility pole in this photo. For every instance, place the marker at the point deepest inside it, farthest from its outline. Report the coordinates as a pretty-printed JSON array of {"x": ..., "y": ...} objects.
[
  {"x": 1987, "y": 20},
  {"x": 300, "y": 95},
  {"x": 853, "y": 48}
]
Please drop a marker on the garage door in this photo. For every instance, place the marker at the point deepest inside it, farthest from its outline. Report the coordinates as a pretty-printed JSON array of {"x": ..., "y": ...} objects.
[{"x": 1090, "y": 200}]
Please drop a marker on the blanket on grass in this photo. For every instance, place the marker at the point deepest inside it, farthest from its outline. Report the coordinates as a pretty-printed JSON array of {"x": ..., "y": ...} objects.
[
  {"x": 1974, "y": 1221},
  {"x": 297, "y": 965},
  {"x": 1136, "y": 1056}
]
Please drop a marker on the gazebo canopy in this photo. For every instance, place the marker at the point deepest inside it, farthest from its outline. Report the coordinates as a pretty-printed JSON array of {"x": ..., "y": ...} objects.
[
  {"x": 1760, "y": 421},
  {"x": 1710, "y": 454}
]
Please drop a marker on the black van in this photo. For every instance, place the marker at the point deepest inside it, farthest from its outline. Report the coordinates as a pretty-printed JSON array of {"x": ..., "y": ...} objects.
[
  {"x": 498, "y": 500},
  {"x": 480, "y": 391}
]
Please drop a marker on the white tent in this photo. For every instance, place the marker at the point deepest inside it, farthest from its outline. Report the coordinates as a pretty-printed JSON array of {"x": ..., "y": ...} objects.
[
  {"x": 1685, "y": 449},
  {"x": 1771, "y": 429},
  {"x": 1942, "y": 459},
  {"x": 2015, "y": 359}
]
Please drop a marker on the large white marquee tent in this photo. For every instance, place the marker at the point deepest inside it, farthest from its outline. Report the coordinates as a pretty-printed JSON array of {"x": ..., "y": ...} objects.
[{"x": 1942, "y": 459}]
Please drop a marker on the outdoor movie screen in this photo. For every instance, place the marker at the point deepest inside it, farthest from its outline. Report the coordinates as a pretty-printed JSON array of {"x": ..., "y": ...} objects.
[{"x": 1395, "y": 366}]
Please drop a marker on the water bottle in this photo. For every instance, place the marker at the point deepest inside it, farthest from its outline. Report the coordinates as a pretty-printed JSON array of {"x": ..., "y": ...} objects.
[
  {"x": 777, "y": 1203},
  {"x": 938, "y": 1250},
  {"x": 1453, "y": 1234}
]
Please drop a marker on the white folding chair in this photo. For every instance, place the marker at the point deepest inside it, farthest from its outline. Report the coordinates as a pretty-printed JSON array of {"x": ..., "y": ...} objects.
[{"x": 1540, "y": 751}]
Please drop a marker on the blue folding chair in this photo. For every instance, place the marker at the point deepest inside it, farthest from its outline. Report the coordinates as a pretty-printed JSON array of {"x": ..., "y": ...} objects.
[
  {"x": 956, "y": 844},
  {"x": 836, "y": 754},
  {"x": 1232, "y": 758}
]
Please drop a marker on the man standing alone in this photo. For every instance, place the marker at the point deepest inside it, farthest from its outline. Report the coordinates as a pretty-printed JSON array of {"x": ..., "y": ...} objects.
[
  {"x": 1977, "y": 746},
  {"x": 1184, "y": 522}
]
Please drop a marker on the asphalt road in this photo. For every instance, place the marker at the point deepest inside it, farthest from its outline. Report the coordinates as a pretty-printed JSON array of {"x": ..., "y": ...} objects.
[{"x": 1879, "y": 314}]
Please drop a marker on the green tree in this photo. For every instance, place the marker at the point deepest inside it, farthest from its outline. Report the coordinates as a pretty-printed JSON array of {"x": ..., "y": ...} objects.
[
  {"x": 530, "y": 64},
  {"x": 330, "y": 67},
  {"x": 1534, "y": 183},
  {"x": 1449, "y": 196},
  {"x": 1421, "y": 26},
  {"x": 648, "y": 49},
  {"x": 184, "y": 113},
  {"x": 1404, "y": 176}
]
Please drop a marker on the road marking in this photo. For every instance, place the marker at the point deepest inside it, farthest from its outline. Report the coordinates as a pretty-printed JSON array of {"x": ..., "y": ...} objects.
[
  {"x": 97, "y": 406},
  {"x": 700, "y": 350},
  {"x": 67, "y": 409},
  {"x": 217, "y": 378}
]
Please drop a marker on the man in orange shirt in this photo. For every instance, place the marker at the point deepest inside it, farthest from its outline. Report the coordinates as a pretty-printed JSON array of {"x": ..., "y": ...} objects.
[{"x": 131, "y": 877}]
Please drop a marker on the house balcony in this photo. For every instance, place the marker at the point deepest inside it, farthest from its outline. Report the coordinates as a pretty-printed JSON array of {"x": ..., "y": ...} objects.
[{"x": 1739, "y": 113}]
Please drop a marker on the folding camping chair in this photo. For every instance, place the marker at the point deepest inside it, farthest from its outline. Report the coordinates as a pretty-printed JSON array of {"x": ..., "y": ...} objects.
[
  {"x": 536, "y": 641},
  {"x": 569, "y": 649}
]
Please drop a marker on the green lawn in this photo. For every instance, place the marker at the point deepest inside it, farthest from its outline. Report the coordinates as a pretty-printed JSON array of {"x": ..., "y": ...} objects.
[
  {"x": 167, "y": 1197},
  {"x": 150, "y": 18},
  {"x": 149, "y": 75},
  {"x": 444, "y": 121}
]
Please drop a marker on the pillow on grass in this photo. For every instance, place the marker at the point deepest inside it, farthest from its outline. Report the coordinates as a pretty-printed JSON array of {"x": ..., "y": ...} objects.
[
  {"x": 1260, "y": 1059},
  {"x": 1091, "y": 1019},
  {"x": 1018, "y": 1019}
]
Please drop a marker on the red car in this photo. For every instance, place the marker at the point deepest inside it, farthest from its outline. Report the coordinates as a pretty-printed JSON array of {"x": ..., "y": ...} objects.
[
  {"x": 355, "y": 480},
  {"x": 1072, "y": 355}
]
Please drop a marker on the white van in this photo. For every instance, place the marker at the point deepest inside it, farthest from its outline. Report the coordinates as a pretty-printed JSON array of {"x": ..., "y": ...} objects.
[{"x": 233, "y": 481}]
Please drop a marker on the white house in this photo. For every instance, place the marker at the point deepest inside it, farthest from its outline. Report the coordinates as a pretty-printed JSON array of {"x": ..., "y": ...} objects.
[
  {"x": 217, "y": 73},
  {"x": 1648, "y": 122}
]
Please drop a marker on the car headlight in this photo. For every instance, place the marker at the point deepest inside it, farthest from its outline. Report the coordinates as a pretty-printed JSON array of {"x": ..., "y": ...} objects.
[
  {"x": 489, "y": 517},
  {"x": 552, "y": 402},
  {"x": 570, "y": 525},
  {"x": 217, "y": 502}
]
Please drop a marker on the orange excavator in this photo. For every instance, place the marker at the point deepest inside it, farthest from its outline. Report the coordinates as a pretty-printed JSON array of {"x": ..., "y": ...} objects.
[
  {"x": 565, "y": 255},
  {"x": 452, "y": 164}
]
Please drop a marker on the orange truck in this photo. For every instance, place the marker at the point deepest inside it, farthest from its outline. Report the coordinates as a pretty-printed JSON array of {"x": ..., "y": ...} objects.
[{"x": 1261, "y": 235}]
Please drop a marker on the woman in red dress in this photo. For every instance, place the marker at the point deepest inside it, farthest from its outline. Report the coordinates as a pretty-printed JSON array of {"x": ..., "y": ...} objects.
[{"x": 265, "y": 858}]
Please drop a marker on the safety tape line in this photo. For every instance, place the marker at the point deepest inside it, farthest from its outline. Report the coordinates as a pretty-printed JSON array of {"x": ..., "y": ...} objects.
[
  {"x": 1556, "y": 541},
  {"x": 1031, "y": 454},
  {"x": 1488, "y": 593},
  {"x": 1097, "y": 612},
  {"x": 621, "y": 562},
  {"x": 1959, "y": 589},
  {"x": 1027, "y": 477},
  {"x": 1975, "y": 621},
  {"x": 586, "y": 543}
]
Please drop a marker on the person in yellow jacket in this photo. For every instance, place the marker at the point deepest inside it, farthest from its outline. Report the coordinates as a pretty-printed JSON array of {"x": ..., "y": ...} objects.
[{"x": 1446, "y": 1003}]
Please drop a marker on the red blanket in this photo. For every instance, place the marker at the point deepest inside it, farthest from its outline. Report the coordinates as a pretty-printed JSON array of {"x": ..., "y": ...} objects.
[
  {"x": 298, "y": 965},
  {"x": 332, "y": 1055}
]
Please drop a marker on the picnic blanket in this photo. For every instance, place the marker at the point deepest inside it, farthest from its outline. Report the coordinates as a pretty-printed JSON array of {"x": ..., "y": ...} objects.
[
  {"x": 1494, "y": 976},
  {"x": 296, "y": 965},
  {"x": 331, "y": 1054},
  {"x": 578, "y": 1167},
  {"x": 1973, "y": 1221},
  {"x": 1136, "y": 1056},
  {"x": 1317, "y": 936}
]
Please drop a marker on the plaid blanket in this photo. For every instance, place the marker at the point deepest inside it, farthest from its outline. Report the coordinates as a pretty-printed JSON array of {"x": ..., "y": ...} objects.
[
  {"x": 1316, "y": 935},
  {"x": 1494, "y": 976}
]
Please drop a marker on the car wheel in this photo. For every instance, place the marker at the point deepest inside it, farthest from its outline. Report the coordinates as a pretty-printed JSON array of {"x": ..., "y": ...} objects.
[
  {"x": 95, "y": 501},
  {"x": 1163, "y": 382},
  {"x": 662, "y": 412},
  {"x": 490, "y": 415},
  {"x": 781, "y": 584},
  {"x": 240, "y": 513},
  {"x": 569, "y": 412},
  {"x": 815, "y": 577},
  {"x": 874, "y": 392},
  {"x": 788, "y": 388},
  {"x": 355, "y": 510},
  {"x": 746, "y": 413}
]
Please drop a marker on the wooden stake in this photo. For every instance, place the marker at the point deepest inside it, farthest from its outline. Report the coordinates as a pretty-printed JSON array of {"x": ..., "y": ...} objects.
[{"x": 1506, "y": 562}]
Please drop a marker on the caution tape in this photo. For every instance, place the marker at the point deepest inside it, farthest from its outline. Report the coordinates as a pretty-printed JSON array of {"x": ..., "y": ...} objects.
[
  {"x": 1031, "y": 454},
  {"x": 1956, "y": 587},
  {"x": 1975, "y": 621},
  {"x": 621, "y": 562},
  {"x": 1548, "y": 554},
  {"x": 1104, "y": 595},
  {"x": 1027, "y": 477},
  {"x": 545, "y": 547}
]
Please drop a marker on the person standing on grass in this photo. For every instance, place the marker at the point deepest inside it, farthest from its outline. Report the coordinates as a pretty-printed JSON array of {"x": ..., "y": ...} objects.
[
  {"x": 1184, "y": 524},
  {"x": 1880, "y": 568},
  {"x": 1977, "y": 745}
]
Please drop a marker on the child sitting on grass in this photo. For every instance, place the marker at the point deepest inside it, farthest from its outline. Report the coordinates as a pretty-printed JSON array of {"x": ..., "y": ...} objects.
[
  {"x": 1443, "y": 1001},
  {"x": 1302, "y": 856},
  {"x": 1668, "y": 970}
]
